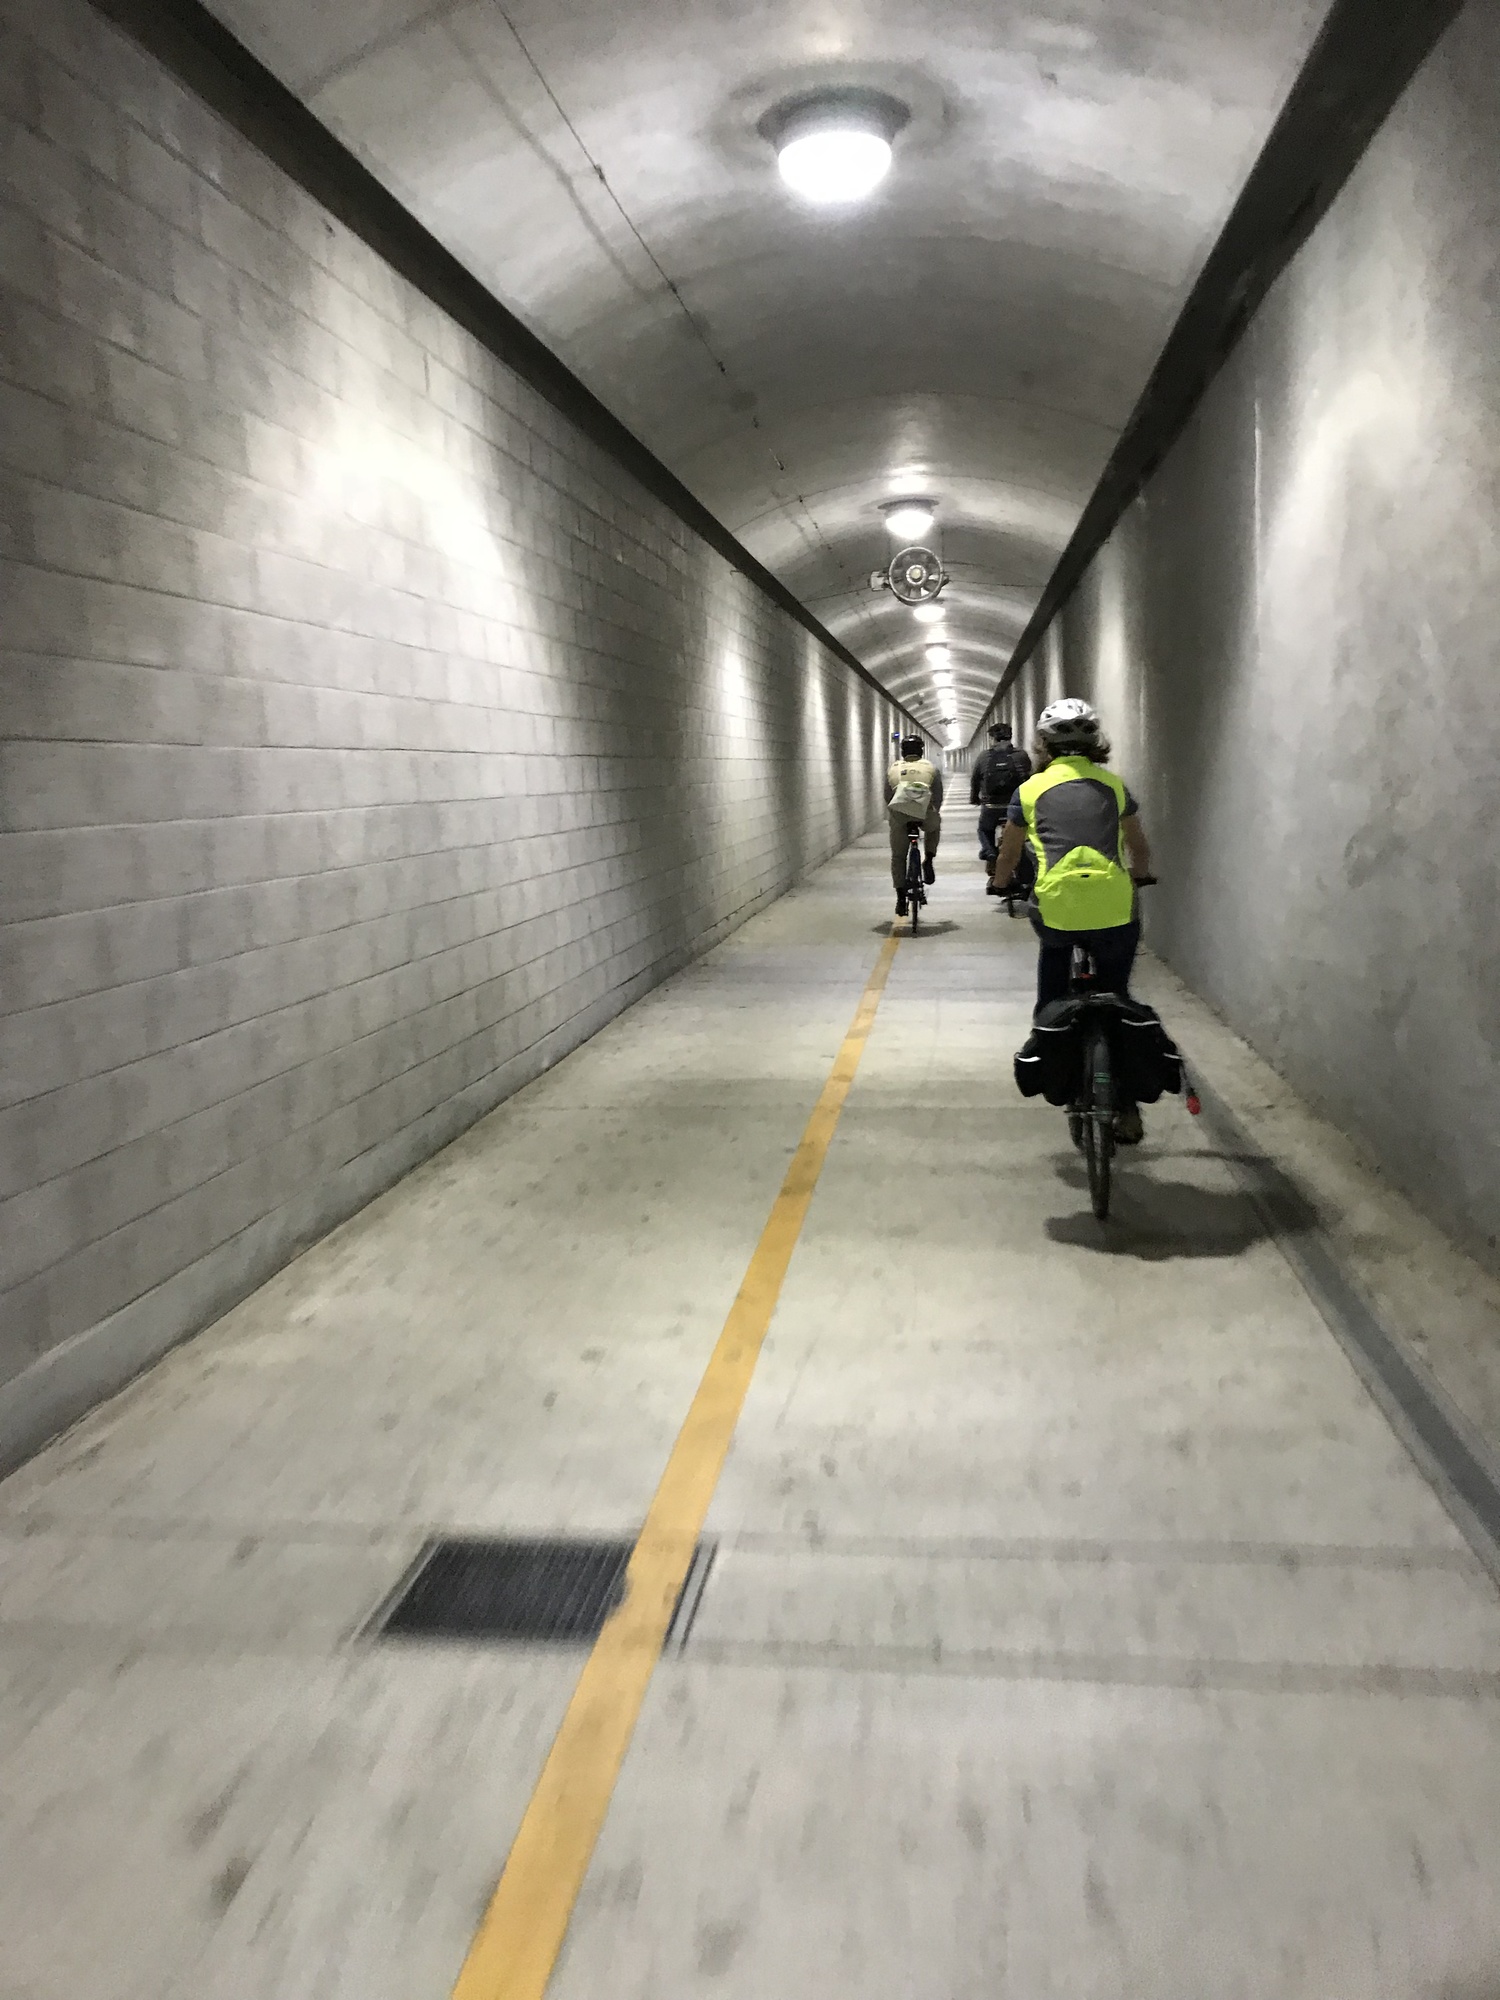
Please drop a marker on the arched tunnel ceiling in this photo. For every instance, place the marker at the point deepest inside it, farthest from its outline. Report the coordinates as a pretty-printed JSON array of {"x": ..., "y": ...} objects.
[{"x": 977, "y": 331}]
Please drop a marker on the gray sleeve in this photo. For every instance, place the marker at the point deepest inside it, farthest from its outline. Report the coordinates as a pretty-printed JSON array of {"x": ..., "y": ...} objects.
[{"x": 937, "y": 790}]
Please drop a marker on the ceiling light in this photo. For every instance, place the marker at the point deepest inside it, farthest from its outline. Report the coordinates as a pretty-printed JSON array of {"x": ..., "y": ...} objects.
[
  {"x": 911, "y": 520},
  {"x": 835, "y": 166},
  {"x": 834, "y": 146},
  {"x": 929, "y": 614}
]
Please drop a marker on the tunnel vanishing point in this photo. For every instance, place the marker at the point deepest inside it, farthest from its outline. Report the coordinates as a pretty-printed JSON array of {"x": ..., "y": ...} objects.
[{"x": 565, "y": 1428}]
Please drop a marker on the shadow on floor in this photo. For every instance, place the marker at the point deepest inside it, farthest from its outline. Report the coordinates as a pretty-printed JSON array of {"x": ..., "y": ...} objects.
[
  {"x": 902, "y": 928},
  {"x": 1153, "y": 1218}
]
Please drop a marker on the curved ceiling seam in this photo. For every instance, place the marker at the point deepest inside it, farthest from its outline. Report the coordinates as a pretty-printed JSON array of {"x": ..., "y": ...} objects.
[
  {"x": 598, "y": 170},
  {"x": 1170, "y": 289},
  {"x": 377, "y": 45},
  {"x": 639, "y": 284},
  {"x": 603, "y": 179},
  {"x": 1000, "y": 402}
]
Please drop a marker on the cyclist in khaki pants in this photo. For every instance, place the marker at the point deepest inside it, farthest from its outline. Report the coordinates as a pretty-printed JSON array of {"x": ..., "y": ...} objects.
[{"x": 913, "y": 790}]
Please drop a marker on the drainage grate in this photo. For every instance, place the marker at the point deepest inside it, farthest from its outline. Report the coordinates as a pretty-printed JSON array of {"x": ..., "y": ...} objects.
[{"x": 556, "y": 1592}]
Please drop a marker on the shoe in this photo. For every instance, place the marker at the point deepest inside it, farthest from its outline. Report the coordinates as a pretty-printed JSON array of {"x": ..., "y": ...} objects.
[
  {"x": 900, "y": 902},
  {"x": 929, "y": 873},
  {"x": 993, "y": 889},
  {"x": 1129, "y": 1131}
]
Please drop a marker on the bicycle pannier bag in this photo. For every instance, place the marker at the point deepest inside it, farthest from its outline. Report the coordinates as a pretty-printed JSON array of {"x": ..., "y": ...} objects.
[
  {"x": 1145, "y": 1054},
  {"x": 1050, "y": 1063}
]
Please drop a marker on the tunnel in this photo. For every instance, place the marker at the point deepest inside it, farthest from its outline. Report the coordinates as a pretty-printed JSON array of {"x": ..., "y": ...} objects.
[{"x": 670, "y": 1331}]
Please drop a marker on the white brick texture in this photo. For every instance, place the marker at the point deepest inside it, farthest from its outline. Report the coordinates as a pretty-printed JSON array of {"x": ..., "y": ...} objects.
[{"x": 369, "y": 736}]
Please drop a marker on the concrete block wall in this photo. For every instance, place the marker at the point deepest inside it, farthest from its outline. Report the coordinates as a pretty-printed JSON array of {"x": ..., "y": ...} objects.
[
  {"x": 370, "y": 738},
  {"x": 1292, "y": 636}
]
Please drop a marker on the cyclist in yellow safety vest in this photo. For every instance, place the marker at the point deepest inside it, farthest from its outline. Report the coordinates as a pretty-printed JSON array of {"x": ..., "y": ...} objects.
[{"x": 1084, "y": 829}]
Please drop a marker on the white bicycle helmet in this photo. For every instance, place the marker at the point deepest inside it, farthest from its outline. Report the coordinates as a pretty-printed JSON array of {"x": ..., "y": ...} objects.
[{"x": 1068, "y": 723}]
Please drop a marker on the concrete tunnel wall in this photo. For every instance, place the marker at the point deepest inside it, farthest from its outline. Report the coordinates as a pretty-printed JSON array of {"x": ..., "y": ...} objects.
[
  {"x": 1293, "y": 638},
  {"x": 370, "y": 738}
]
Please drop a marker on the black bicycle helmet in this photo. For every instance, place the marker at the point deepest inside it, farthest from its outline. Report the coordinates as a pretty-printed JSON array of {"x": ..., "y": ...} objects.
[{"x": 912, "y": 746}]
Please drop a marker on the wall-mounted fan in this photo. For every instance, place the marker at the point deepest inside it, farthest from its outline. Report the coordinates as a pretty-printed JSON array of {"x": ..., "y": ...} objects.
[{"x": 915, "y": 575}]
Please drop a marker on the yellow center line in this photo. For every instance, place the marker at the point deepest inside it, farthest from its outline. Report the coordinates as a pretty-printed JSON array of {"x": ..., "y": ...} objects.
[{"x": 516, "y": 1945}]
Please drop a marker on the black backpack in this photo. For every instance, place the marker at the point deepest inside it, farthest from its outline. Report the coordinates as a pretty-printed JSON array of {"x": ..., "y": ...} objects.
[{"x": 1003, "y": 771}]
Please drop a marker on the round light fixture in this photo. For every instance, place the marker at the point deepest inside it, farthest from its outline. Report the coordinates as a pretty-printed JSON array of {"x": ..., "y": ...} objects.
[
  {"x": 835, "y": 166},
  {"x": 911, "y": 520},
  {"x": 834, "y": 146}
]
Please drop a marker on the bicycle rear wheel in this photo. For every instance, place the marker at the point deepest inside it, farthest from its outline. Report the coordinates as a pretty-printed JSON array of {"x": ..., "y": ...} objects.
[
  {"x": 1099, "y": 1120},
  {"x": 914, "y": 891}
]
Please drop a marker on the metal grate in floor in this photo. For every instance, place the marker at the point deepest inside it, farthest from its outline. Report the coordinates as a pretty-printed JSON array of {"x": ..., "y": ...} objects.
[{"x": 552, "y": 1591}]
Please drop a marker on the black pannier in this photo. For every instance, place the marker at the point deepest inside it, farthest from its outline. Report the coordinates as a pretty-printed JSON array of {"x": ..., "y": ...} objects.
[
  {"x": 1146, "y": 1057},
  {"x": 1050, "y": 1064},
  {"x": 1146, "y": 1061}
]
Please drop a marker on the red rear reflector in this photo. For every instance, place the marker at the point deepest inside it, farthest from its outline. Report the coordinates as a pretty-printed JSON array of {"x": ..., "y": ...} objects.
[{"x": 1194, "y": 1103}]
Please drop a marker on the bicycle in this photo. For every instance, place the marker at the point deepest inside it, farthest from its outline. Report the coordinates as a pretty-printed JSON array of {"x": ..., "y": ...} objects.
[
  {"x": 916, "y": 891},
  {"x": 1092, "y": 1114}
]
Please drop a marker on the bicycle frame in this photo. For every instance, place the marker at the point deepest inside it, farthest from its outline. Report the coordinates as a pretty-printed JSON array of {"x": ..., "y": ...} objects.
[
  {"x": 916, "y": 893},
  {"x": 1091, "y": 1117}
]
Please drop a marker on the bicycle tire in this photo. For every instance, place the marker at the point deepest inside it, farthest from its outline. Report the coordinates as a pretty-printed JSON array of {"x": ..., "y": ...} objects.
[
  {"x": 914, "y": 891},
  {"x": 1099, "y": 1124}
]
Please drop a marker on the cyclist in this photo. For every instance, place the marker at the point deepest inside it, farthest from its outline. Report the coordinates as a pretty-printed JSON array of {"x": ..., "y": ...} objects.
[
  {"x": 913, "y": 791},
  {"x": 1084, "y": 830},
  {"x": 992, "y": 786}
]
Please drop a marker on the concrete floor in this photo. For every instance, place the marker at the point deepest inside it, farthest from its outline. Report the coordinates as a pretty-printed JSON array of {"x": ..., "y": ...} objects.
[{"x": 1078, "y": 1626}]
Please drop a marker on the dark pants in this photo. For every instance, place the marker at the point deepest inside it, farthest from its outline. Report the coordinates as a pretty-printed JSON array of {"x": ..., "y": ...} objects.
[
  {"x": 990, "y": 818},
  {"x": 932, "y": 833},
  {"x": 1113, "y": 952}
]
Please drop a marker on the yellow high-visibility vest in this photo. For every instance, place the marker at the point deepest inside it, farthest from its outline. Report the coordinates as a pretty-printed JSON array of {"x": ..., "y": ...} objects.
[{"x": 1082, "y": 883}]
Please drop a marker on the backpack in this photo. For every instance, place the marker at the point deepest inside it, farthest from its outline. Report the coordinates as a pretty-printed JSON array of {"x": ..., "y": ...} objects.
[
  {"x": 1002, "y": 774},
  {"x": 912, "y": 797}
]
